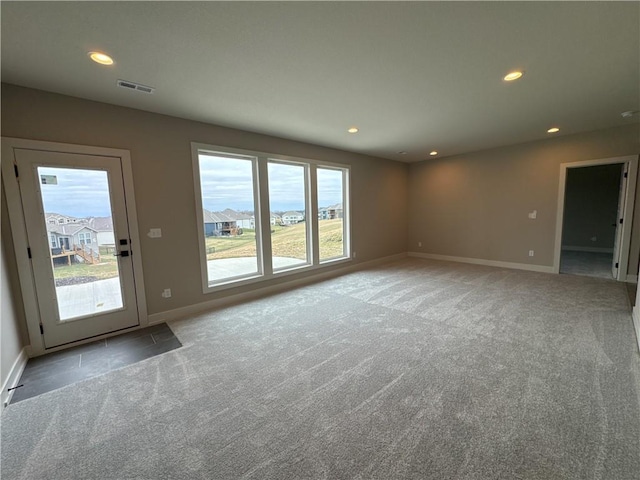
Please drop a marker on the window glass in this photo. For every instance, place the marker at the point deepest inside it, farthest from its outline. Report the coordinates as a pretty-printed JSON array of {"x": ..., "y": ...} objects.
[
  {"x": 331, "y": 216},
  {"x": 228, "y": 207},
  {"x": 288, "y": 200}
]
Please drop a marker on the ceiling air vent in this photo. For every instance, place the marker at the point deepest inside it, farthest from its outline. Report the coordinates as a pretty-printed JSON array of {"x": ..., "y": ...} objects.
[{"x": 135, "y": 86}]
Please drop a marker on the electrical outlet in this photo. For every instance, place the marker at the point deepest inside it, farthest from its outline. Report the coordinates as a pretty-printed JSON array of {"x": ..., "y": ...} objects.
[
  {"x": 531, "y": 253},
  {"x": 533, "y": 215},
  {"x": 155, "y": 233},
  {"x": 419, "y": 244},
  {"x": 354, "y": 254},
  {"x": 166, "y": 293}
]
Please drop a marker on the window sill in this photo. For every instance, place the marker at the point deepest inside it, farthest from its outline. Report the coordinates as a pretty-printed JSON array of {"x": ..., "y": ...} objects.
[{"x": 257, "y": 279}]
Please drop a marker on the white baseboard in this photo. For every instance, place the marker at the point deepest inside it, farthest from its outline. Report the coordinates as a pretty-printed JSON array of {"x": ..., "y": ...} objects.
[
  {"x": 632, "y": 279},
  {"x": 636, "y": 324},
  {"x": 587, "y": 249},
  {"x": 488, "y": 263},
  {"x": 14, "y": 377},
  {"x": 265, "y": 291}
]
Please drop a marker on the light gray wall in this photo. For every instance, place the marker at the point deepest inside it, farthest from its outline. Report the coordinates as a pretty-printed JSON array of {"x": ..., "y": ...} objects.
[
  {"x": 591, "y": 206},
  {"x": 476, "y": 205},
  {"x": 160, "y": 149}
]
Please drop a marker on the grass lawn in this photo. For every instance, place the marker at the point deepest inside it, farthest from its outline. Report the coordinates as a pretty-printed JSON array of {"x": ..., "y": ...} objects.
[
  {"x": 287, "y": 241},
  {"x": 108, "y": 268}
]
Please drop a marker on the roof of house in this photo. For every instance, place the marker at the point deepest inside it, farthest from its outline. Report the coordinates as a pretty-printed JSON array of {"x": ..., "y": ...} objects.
[
  {"x": 337, "y": 206},
  {"x": 101, "y": 224},
  {"x": 292, "y": 214},
  {"x": 98, "y": 224},
  {"x": 68, "y": 229},
  {"x": 235, "y": 215},
  {"x": 215, "y": 217},
  {"x": 57, "y": 216}
]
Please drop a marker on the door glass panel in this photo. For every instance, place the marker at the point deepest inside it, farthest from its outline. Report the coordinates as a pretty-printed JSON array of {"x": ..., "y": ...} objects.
[
  {"x": 78, "y": 219},
  {"x": 287, "y": 199}
]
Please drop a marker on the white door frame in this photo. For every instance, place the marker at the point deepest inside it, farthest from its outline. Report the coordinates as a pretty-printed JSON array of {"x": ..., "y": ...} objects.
[
  {"x": 20, "y": 241},
  {"x": 632, "y": 161}
]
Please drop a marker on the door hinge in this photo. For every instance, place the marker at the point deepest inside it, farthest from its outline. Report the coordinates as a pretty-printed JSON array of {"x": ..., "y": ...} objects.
[
  {"x": 626, "y": 174},
  {"x": 15, "y": 169},
  {"x": 29, "y": 252},
  {"x": 621, "y": 221},
  {"x": 41, "y": 330},
  {"x": 617, "y": 265}
]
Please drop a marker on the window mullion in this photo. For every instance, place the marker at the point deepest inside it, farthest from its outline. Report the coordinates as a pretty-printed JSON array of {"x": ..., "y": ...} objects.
[
  {"x": 313, "y": 207},
  {"x": 346, "y": 209},
  {"x": 264, "y": 234}
]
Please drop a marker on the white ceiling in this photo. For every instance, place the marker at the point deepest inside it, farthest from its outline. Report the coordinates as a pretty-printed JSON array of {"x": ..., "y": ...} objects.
[{"x": 413, "y": 76}]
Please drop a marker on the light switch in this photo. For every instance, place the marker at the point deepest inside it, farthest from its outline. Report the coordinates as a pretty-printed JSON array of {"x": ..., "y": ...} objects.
[
  {"x": 533, "y": 214},
  {"x": 154, "y": 233}
]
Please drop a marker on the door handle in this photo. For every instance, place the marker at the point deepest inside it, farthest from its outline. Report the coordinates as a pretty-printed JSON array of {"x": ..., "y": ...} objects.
[{"x": 124, "y": 253}]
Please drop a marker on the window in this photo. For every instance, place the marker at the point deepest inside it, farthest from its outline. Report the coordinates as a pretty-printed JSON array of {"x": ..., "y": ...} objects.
[
  {"x": 228, "y": 202},
  {"x": 288, "y": 193},
  {"x": 54, "y": 244},
  {"x": 331, "y": 217},
  {"x": 263, "y": 215},
  {"x": 85, "y": 238}
]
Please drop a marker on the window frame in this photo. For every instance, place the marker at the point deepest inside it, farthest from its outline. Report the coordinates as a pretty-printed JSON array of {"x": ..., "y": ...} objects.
[
  {"x": 197, "y": 149},
  {"x": 262, "y": 214}
]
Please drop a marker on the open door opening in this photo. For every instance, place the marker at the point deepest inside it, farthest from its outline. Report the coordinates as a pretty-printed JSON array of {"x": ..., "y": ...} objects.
[{"x": 592, "y": 227}]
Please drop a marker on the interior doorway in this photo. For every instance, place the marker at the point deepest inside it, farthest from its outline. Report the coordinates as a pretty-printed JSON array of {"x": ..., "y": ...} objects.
[
  {"x": 591, "y": 223},
  {"x": 595, "y": 208}
]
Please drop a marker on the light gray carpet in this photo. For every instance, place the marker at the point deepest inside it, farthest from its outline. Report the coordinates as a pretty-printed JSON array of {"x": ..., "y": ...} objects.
[{"x": 418, "y": 369}]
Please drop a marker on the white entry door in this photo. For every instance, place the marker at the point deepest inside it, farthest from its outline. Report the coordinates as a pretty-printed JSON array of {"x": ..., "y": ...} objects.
[{"x": 77, "y": 229}]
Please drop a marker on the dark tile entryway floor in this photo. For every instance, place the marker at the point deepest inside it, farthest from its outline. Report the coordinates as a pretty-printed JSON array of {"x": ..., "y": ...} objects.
[{"x": 56, "y": 370}]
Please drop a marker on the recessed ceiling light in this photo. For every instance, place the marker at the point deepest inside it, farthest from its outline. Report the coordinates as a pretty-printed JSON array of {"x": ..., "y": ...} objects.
[
  {"x": 433, "y": 154},
  {"x": 553, "y": 130},
  {"x": 353, "y": 130},
  {"x": 101, "y": 58},
  {"x": 402, "y": 152},
  {"x": 630, "y": 113},
  {"x": 511, "y": 76}
]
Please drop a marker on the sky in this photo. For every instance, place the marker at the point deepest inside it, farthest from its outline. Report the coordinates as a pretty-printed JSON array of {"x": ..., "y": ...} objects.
[
  {"x": 226, "y": 183},
  {"x": 78, "y": 192}
]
